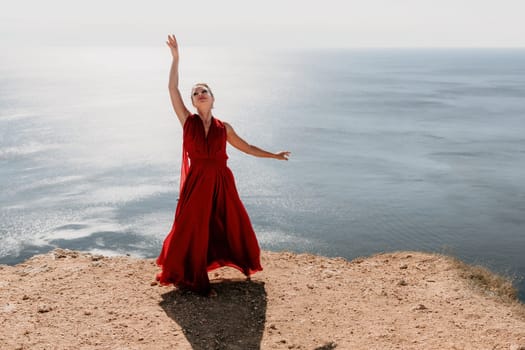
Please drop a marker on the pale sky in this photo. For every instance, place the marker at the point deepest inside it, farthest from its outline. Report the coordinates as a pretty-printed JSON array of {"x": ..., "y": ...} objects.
[{"x": 266, "y": 23}]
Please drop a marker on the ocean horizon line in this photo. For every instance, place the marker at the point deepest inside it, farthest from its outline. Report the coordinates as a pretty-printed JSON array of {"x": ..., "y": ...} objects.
[{"x": 160, "y": 44}]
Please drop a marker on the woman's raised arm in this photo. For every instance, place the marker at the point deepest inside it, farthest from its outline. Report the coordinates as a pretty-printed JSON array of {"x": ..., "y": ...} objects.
[{"x": 173, "y": 84}]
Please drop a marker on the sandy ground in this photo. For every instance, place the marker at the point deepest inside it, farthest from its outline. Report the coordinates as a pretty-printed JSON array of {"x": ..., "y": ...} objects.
[{"x": 403, "y": 300}]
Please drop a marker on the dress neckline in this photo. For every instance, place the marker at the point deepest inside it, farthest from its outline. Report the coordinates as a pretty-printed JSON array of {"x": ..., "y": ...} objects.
[{"x": 204, "y": 128}]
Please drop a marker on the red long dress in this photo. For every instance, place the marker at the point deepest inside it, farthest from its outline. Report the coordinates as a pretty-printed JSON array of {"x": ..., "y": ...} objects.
[{"x": 211, "y": 227}]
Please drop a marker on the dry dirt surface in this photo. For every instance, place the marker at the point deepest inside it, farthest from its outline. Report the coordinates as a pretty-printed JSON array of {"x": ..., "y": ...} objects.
[{"x": 403, "y": 300}]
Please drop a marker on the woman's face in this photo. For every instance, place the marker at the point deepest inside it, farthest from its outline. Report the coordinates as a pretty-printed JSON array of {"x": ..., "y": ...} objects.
[{"x": 202, "y": 96}]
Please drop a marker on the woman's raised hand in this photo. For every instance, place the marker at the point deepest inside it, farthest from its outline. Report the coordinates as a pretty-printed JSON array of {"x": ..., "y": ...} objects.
[{"x": 172, "y": 43}]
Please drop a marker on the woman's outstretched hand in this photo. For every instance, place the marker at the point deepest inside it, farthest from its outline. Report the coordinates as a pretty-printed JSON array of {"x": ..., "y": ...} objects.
[
  {"x": 282, "y": 155},
  {"x": 172, "y": 43}
]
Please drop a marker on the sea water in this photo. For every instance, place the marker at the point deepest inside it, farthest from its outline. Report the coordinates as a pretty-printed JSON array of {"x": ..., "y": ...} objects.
[{"x": 392, "y": 149}]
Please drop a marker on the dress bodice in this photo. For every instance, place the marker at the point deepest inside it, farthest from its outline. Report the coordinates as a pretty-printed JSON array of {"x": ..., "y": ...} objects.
[{"x": 198, "y": 145}]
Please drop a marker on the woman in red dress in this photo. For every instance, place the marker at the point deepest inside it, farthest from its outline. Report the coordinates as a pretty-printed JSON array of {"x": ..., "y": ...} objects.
[{"x": 211, "y": 227}]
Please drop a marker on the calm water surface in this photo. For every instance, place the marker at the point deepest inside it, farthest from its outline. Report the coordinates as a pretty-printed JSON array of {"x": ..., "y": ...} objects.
[{"x": 392, "y": 149}]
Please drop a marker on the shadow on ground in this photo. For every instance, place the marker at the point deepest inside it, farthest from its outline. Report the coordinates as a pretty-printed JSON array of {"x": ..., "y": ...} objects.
[
  {"x": 328, "y": 346},
  {"x": 232, "y": 320}
]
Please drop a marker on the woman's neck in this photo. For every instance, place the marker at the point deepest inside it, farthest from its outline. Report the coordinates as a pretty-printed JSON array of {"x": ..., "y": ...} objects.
[{"x": 205, "y": 115}]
